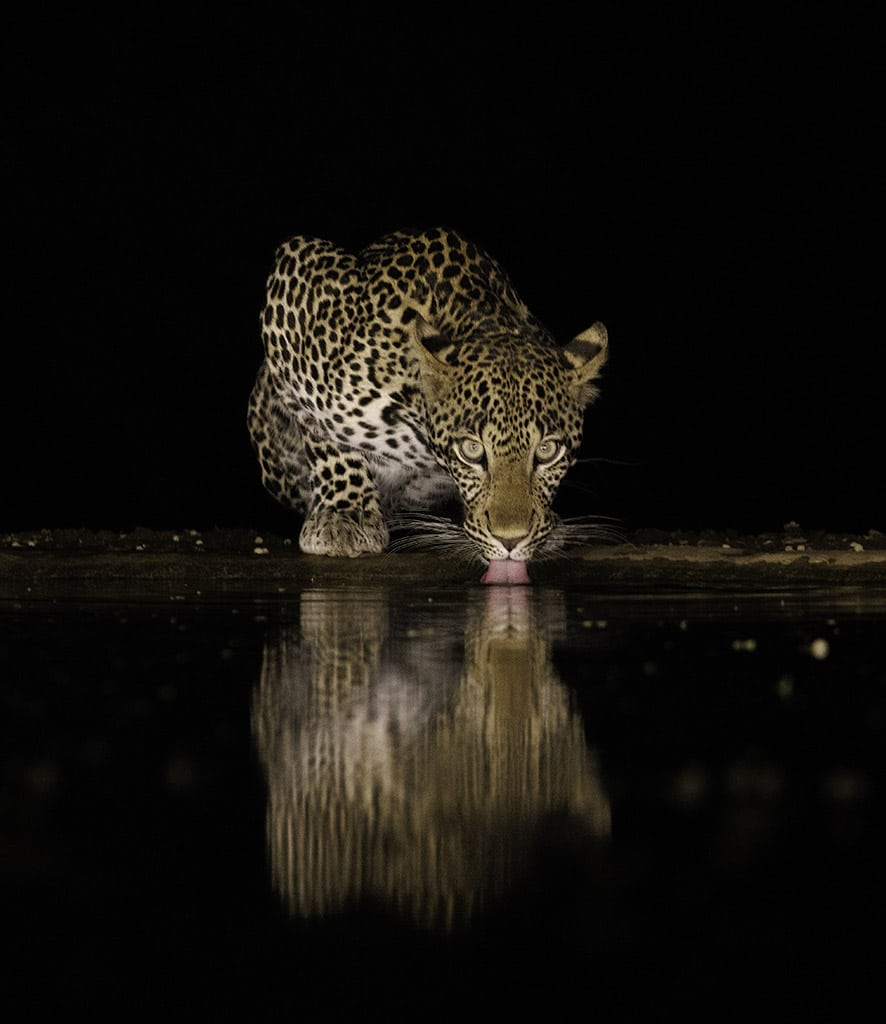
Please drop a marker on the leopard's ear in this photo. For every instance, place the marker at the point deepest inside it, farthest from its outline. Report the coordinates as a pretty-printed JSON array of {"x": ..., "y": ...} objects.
[
  {"x": 436, "y": 356},
  {"x": 585, "y": 356},
  {"x": 431, "y": 343}
]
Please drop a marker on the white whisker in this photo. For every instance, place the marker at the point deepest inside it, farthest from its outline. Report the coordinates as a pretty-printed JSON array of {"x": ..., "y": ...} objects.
[
  {"x": 420, "y": 531},
  {"x": 578, "y": 532}
]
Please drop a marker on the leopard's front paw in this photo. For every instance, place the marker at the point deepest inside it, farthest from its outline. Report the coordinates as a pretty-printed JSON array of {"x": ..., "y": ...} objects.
[{"x": 343, "y": 534}]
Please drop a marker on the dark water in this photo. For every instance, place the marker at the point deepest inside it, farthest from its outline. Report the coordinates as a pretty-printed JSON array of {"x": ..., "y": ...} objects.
[{"x": 335, "y": 802}]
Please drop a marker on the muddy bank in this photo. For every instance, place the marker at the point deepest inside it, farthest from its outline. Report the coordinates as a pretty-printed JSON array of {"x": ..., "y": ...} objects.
[{"x": 244, "y": 559}]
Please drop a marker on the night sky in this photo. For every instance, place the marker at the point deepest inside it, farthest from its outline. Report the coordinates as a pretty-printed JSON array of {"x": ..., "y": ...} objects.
[{"x": 706, "y": 185}]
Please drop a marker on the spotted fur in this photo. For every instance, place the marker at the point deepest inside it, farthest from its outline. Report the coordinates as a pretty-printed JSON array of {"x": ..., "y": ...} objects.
[{"x": 408, "y": 375}]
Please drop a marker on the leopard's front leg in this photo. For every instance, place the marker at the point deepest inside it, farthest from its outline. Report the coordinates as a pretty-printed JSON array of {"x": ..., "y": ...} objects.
[{"x": 344, "y": 516}]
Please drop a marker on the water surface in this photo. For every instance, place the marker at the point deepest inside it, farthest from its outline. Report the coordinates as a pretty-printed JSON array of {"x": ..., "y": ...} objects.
[{"x": 428, "y": 798}]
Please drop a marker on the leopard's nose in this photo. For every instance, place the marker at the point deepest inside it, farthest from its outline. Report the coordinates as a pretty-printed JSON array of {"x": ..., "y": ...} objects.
[{"x": 509, "y": 543}]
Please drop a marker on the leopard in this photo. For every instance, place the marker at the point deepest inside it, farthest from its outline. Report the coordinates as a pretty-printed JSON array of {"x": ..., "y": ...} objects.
[{"x": 410, "y": 376}]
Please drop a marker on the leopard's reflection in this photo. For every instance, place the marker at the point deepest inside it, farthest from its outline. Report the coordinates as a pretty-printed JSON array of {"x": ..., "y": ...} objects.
[{"x": 414, "y": 757}]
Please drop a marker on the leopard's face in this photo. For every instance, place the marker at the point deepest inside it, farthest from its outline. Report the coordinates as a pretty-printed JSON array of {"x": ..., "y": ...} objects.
[{"x": 505, "y": 422}]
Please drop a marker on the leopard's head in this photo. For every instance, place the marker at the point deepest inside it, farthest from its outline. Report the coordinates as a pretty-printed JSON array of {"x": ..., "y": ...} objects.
[{"x": 505, "y": 417}]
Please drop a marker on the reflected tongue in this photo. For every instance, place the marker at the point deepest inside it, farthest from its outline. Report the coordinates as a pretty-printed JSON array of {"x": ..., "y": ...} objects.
[{"x": 505, "y": 570}]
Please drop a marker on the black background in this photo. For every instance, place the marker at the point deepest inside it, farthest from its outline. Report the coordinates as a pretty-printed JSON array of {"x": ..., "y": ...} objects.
[{"x": 706, "y": 184}]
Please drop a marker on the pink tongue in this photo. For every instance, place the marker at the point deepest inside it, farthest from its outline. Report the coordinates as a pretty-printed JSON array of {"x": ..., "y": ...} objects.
[{"x": 505, "y": 570}]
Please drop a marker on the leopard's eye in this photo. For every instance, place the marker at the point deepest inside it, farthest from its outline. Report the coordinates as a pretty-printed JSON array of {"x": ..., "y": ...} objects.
[
  {"x": 471, "y": 451},
  {"x": 549, "y": 450}
]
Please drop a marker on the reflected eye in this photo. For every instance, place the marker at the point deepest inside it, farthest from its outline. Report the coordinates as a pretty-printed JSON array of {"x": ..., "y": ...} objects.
[
  {"x": 548, "y": 451},
  {"x": 471, "y": 451}
]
